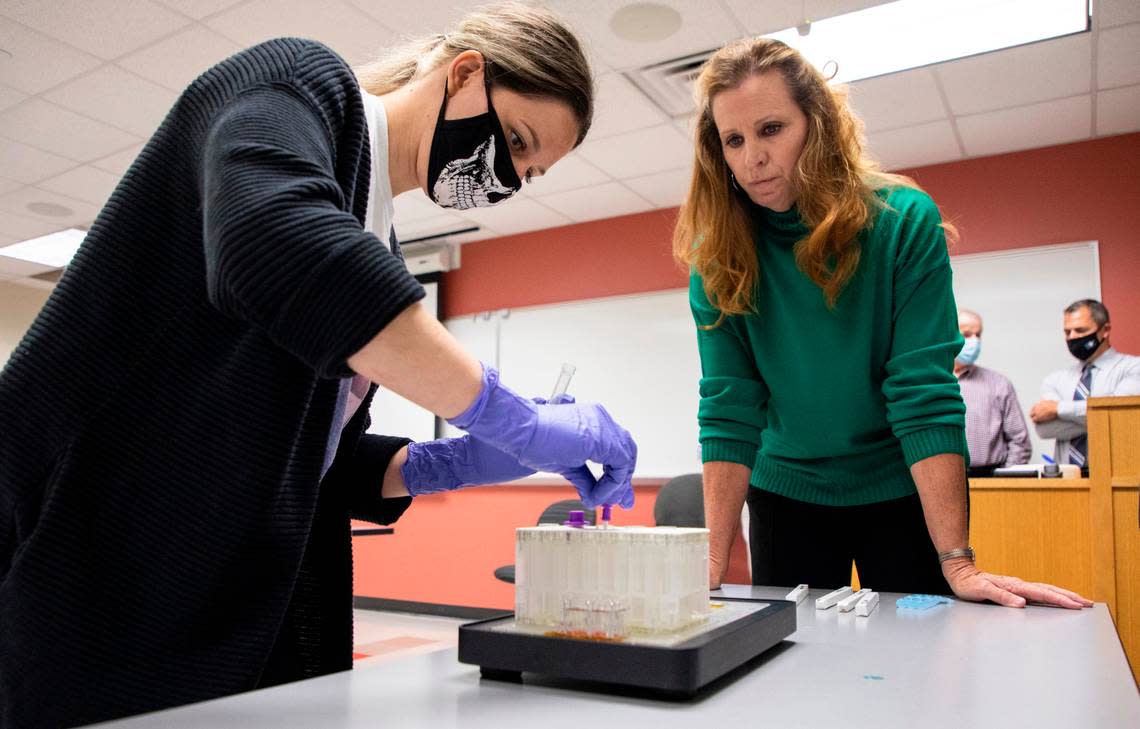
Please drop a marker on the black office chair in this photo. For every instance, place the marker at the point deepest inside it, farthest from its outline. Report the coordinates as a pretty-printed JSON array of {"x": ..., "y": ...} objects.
[
  {"x": 556, "y": 513},
  {"x": 681, "y": 502}
]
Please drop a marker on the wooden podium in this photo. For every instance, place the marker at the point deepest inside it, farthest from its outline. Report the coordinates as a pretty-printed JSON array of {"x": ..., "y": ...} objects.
[{"x": 1082, "y": 534}]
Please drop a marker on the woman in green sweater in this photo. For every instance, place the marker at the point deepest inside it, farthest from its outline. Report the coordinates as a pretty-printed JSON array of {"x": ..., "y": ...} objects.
[{"x": 827, "y": 332}]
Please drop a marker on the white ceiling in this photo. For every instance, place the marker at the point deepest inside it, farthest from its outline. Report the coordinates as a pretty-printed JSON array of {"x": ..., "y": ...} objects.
[{"x": 84, "y": 83}]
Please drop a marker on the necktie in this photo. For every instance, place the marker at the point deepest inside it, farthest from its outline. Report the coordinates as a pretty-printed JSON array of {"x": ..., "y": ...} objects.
[{"x": 1079, "y": 446}]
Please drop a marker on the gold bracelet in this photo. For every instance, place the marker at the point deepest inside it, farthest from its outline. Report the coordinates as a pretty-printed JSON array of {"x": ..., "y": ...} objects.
[{"x": 968, "y": 552}]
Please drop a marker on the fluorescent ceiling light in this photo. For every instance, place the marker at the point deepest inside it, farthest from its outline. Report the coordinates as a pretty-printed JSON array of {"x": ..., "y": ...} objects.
[
  {"x": 55, "y": 250},
  {"x": 906, "y": 34}
]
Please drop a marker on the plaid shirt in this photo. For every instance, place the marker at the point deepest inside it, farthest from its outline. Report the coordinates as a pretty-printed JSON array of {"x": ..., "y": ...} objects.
[{"x": 995, "y": 427}]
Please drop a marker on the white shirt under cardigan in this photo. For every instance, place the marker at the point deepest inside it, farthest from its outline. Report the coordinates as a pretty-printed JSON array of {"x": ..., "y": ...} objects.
[
  {"x": 1113, "y": 373},
  {"x": 377, "y": 220}
]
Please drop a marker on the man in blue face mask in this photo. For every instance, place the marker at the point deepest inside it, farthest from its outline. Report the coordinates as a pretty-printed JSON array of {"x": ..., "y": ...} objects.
[
  {"x": 995, "y": 428},
  {"x": 1100, "y": 371}
]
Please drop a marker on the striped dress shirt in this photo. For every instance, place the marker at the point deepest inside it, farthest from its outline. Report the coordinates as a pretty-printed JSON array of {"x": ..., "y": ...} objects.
[{"x": 1113, "y": 373}]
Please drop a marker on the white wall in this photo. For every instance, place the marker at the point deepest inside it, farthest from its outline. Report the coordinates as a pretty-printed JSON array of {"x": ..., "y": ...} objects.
[
  {"x": 18, "y": 307},
  {"x": 637, "y": 354}
]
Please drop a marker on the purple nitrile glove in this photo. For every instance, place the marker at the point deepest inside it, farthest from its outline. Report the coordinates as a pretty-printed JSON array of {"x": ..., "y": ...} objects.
[
  {"x": 451, "y": 463},
  {"x": 580, "y": 477},
  {"x": 558, "y": 438}
]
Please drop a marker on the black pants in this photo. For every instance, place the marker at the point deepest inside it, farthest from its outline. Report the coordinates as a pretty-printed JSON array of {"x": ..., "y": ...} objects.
[{"x": 794, "y": 541}]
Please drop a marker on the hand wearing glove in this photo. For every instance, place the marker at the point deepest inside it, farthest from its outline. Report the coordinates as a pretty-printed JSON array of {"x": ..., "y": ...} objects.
[
  {"x": 581, "y": 477},
  {"x": 558, "y": 438},
  {"x": 451, "y": 463}
]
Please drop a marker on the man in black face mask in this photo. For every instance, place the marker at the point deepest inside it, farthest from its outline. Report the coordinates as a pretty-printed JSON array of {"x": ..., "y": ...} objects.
[{"x": 1101, "y": 371}]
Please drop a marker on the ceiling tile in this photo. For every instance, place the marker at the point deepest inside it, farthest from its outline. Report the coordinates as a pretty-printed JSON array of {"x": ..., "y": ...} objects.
[
  {"x": 33, "y": 283},
  {"x": 1108, "y": 13},
  {"x": 119, "y": 162},
  {"x": 23, "y": 228},
  {"x": 758, "y": 17},
  {"x": 1118, "y": 57},
  {"x": 639, "y": 153},
  {"x": 1036, "y": 72},
  {"x": 768, "y": 16},
  {"x": 415, "y": 205},
  {"x": 898, "y": 100},
  {"x": 621, "y": 107},
  {"x": 38, "y": 62},
  {"x": 15, "y": 267},
  {"x": 55, "y": 129},
  {"x": 116, "y": 97},
  {"x": 412, "y": 20},
  {"x": 703, "y": 26},
  {"x": 516, "y": 216},
  {"x": 430, "y": 226},
  {"x": 913, "y": 146},
  {"x": 440, "y": 220},
  {"x": 178, "y": 60},
  {"x": 664, "y": 189},
  {"x": 686, "y": 125},
  {"x": 603, "y": 201},
  {"x": 1027, "y": 127},
  {"x": 337, "y": 24},
  {"x": 28, "y": 164},
  {"x": 88, "y": 184},
  {"x": 105, "y": 29},
  {"x": 415, "y": 20},
  {"x": 568, "y": 173},
  {"x": 17, "y": 203},
  {"x": 198, "y": 9},
  {"x": 820, "y": 9},
  {"x": 1118, "y": 110},
  {"x": 10, "y": 97},
  {"x": 481, "y": 234}
]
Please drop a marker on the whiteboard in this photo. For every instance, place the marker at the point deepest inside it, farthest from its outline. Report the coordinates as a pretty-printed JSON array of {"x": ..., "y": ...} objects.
[
  {"x": 1021, "y": 295},
  {"x": 637, "y": 354}
]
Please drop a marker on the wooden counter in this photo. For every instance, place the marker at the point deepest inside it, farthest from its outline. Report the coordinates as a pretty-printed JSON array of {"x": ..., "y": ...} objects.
[{"x": 1083, "y": 533}]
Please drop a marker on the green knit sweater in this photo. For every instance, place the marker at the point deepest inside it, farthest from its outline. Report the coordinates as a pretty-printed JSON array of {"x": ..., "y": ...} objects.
[{"x": 832, "y": 406}]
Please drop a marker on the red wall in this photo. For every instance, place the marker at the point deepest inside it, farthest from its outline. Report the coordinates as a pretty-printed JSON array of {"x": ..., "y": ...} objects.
[
  {"x": 1073, "y": 192},
  {"x": 447, "y": 546}
]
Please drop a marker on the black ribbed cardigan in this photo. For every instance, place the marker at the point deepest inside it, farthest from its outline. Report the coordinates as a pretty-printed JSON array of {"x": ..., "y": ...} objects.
[{"x": 165, "y": 535}]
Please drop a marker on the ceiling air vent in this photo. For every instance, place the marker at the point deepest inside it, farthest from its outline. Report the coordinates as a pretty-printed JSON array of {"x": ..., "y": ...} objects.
[{"x": 669, "y": 84}]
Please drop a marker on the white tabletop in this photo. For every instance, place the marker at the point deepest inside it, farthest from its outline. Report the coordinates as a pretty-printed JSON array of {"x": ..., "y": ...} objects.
[{"x": 957, "y": 665}]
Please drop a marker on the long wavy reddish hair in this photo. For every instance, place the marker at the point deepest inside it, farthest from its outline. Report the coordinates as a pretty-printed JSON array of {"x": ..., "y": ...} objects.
[{"x": 834, "y": 182}]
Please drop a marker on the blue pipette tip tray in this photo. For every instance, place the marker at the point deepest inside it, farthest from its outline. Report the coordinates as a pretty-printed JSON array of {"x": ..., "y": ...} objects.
[{"x": 507, "y": 652}]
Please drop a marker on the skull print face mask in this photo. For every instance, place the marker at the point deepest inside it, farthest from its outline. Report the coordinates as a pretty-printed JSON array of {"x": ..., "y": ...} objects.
[{"x": 470, "y": 163}]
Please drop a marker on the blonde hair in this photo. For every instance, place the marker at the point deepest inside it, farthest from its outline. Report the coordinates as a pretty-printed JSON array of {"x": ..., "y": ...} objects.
[
  {"x": 527, "y": 50},
  {"x": 834, "y": 183}
]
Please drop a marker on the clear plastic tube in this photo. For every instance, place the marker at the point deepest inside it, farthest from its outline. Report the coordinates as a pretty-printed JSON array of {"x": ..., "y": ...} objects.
[{"x": 563, "y": 382}]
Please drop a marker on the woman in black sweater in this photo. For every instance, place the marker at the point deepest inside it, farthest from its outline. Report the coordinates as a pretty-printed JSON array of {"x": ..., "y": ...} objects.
[{"x": 182, "y": 429}]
